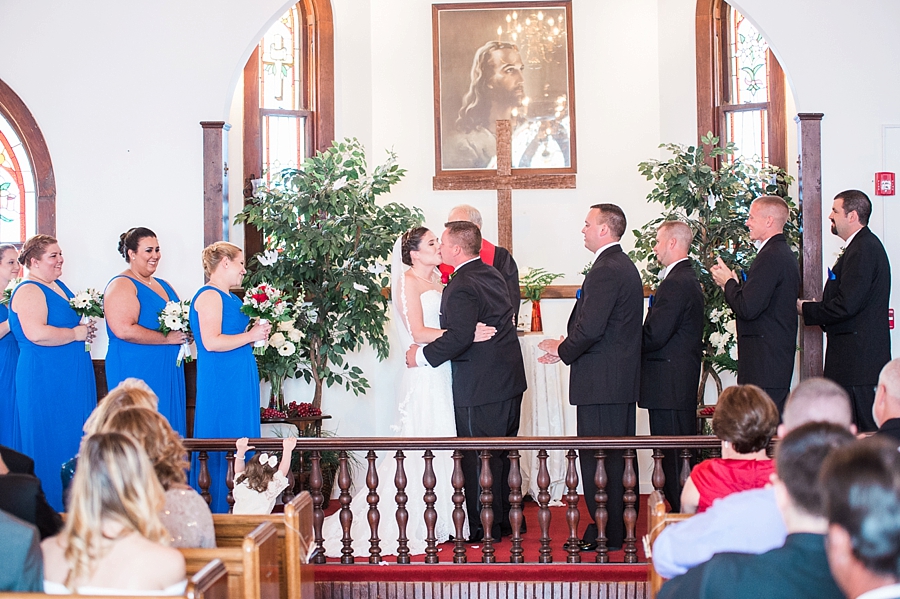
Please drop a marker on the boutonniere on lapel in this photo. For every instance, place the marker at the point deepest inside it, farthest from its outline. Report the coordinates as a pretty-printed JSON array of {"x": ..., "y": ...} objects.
[{"x": 839, "y": 254}]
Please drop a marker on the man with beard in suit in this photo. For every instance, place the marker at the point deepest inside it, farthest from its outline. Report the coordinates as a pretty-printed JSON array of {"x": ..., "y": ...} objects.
[
  {"x": 854, "y": 307},
  {"x": 765, "y": 303},
  {"x": 603, "y": 349},
  {"x": 488, "y": 377},
  {"x": 672, "y": 348}
]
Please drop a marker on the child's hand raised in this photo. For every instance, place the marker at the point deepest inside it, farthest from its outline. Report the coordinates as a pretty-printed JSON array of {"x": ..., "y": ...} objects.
[
  {"x": 243, "y": 445},
  {"x": 288, "y": 445}
]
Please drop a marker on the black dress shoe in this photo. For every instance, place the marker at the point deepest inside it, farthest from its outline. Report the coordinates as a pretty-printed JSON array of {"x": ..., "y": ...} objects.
[{"x": 583, "y": 545}]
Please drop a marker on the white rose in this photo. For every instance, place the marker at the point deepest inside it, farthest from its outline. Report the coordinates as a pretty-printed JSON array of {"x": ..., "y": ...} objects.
[
  {"x": 277, "y": 340},
  {"x": 360, "y": 288},
  {"x": 716, "y": 339},
  {"x": 731, "y": 327},
  {"x": 732, "y": 352},
  {"x": 287, "y": 349},
  {"x": 173, "y": 322},
  {"x": 285, "y": 326},
  {"x": 295, "y": 335}
]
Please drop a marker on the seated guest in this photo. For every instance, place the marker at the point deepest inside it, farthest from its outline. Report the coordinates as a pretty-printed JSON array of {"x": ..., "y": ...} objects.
[
  {"x": 21, "y": 494},
  {"x": 886, "y": 409},
  {"x": 798, "y": 569},
  {"x": 862, "y": 486},
  {"x": 745, "y": 421},
  {"x": 129, "y": 393},
  {"x": 749, "y": 521},
  {"x": 20, "y": 554},
  {"x": 113, "y": 532},
  {"x": 186, "y": 515}
]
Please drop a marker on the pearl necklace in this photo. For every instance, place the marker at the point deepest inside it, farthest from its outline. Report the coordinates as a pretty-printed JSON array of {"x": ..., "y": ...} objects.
[
  {"x": 148, "y": 282},
  {"x": 430, "y": 281}
]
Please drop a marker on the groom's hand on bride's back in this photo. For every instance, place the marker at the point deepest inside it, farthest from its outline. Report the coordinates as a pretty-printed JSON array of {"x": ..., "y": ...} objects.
[{"x": 483, "y": 332}]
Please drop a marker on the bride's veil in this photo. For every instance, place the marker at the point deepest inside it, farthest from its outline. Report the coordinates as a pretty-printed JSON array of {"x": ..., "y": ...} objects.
[{"x": 398, "y": 297}]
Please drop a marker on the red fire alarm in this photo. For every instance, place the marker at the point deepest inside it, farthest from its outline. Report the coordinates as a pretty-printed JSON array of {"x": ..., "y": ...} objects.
[
  {"x": 884, "y": 184},
  {"x": 891, "y": 318}
]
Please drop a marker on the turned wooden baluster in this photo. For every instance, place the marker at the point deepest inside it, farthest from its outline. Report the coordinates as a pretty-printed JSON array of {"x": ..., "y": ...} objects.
[
  {"x": 429, "y": 480},
  {"x": 545, "y": 553},
  {"x": 685, "y": 466},
  {"x": 574, "y": 551},
  {"x": 203, "y": 476},
  {"x": 315, "y": 491},
  {"x": 629, "y": 481},
  {"x": 487, "y": 507},
  {"x": 373, "y": 517},
  {"x": 458, "y": 480},
  {"x": 288, "y": 494},
  {"x": 346, "y": 515},
  {"x": 601, "y": 514},
  {"x": 659, "y": 476},
  {"x": 402, "y": 514},
  {"x": 229, "y": 480},
  {"x": 515, "y": 507}
]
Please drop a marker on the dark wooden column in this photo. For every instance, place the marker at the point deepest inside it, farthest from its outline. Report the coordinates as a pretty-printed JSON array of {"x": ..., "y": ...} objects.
[
  {"x": 215, "y": 180},
  {"x": 810, "y": 147}
]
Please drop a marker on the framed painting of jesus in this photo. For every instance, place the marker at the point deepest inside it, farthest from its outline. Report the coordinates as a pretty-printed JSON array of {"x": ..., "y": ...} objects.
[{"x": 504, "y": 61}]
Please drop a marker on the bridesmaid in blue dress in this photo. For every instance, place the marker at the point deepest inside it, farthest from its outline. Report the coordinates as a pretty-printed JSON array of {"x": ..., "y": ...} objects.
[
  {"x": 132, "y": 303},
  {"x": 227, "y": 379},
  {"x": 9, "y": 351},
  {"x": 55, "y": 388}
]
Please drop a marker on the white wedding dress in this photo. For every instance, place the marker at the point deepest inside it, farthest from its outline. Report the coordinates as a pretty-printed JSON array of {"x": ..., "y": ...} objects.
[{"x": 424, "y": 409}]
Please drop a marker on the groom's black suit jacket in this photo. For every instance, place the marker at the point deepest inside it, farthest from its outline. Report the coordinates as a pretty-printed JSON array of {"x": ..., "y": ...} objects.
[{"x": 487, "y": 372}]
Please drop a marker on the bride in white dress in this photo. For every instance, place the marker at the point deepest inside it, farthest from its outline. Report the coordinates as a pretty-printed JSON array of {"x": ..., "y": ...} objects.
[{"x": 424, "y": 409}]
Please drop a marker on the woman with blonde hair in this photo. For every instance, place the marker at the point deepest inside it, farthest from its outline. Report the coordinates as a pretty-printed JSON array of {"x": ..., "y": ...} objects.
[
  {"x": 113, "y": 529},
  {"x": 227, "y": 379},
  {"x": 185, "y": 515}
]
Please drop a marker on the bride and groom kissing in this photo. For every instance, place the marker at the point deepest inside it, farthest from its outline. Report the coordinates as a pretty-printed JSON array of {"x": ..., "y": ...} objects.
[{"x": 465, "y": 378}]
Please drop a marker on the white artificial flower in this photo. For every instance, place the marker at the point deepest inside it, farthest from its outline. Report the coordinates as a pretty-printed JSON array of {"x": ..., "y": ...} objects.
[
  {"x": 295, "y": 335},
  {"x": 716, "y": 339},
  {"x": 287, "y": 349},
  {"x": 361, "y": 288},
  {"x": 268, "y": 258},
  {"x": 376, "y": 268},
  {"x": 339, "y": 184},
  {"x": 285, "y": 326},
  {"x": 173, "y": 323},
  {"x": 731, "y": 327},
  {"x": 277, "y": 339},
  {"x": 280, "y": 308}
]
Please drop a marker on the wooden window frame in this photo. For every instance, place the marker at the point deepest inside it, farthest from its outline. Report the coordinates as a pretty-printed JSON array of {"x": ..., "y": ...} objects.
[
  {"x": 713, "y": 82},
  {"x": 26, "y": 127},
  {"x": 318, "y": 91}
]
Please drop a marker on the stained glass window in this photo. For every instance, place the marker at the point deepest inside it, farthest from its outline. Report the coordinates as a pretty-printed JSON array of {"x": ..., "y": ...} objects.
[
  {"x": 745, "y": 109},
  {"x": 282, "y": 103},
  {"x": 17, "y": 188}
]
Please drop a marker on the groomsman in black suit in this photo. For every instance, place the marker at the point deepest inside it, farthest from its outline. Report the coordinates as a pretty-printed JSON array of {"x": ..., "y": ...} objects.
[
  {"x": 488, "y": 377},
  {"x": 854, "y": 307},
  {"x": 603, "y": 349},
  {"x": 765, "y": 303},
  {"x": 672, "y": 348}
]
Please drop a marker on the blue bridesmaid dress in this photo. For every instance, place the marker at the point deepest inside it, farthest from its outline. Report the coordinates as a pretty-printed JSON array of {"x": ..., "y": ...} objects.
[
  {"x": 9, "y": 355},
  {"x": 154, "y": 364},
  {"x": 227, "y": 394},
  {"x": 55, "y": 393}
]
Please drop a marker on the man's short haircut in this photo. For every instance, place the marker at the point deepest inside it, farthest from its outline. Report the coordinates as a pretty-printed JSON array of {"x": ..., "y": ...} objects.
[
  {"x": 612, "y": 216},
  {"x": 798, "y": 460},
  {"x": 680, "y": 231},
  {"x": 776, "y": 206},
  {"x": 856, "y": 200},
  {"x": 471, "y": 212},
  {"x": 862, "y": 487},
  {"x": 466, "y": 235},
  {"x": 890, "y": 378},
  {"x": 817, "y": 400}
]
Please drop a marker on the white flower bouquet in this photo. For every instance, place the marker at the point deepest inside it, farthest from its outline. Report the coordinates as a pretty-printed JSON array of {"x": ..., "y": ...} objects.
[
  {"x": 88, "y": 304},
  {"x": 265, "y": 303},
  {"x": 6, "y": 295},
  {"x": 175, "y": 316}
]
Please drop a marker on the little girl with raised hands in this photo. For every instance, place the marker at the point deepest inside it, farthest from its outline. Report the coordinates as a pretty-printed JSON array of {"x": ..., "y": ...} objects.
[{"x": 258, "y": 484}]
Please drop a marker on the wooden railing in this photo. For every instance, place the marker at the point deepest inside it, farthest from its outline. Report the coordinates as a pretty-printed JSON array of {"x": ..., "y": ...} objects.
[{"x": 513, "y": 445}]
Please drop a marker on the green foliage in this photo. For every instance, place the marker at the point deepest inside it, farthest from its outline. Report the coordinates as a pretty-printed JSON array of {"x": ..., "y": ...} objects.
[
  {"x": 535, "y": 281},
  {"x": 327, "y": 242},
  {"x": 715, "y": 203}
]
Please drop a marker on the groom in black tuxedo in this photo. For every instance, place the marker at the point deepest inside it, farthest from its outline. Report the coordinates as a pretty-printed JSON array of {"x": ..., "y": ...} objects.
[{"x": 488, "y": 377}]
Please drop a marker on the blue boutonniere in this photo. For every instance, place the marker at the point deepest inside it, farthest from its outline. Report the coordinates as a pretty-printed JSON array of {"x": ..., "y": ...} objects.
[{"x": 650, "y": 300}]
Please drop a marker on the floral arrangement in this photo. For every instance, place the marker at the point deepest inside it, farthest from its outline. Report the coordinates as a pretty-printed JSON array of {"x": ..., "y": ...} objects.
[
  {"x": 87, "y": 304},
  {"x": 280, "y": 357},
  {"x": 265, "y": 303},
  {"x": 535, "y": 281},
  {"x": 6, "y": 295},
  {"x": 175, "y": 316}
]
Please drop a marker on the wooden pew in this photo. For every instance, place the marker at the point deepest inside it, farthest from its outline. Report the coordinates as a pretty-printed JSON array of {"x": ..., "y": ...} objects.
[
  {"x": 295, "y": 537},
  {"x": 657, "y": 519},
  {"x": 210, "y": 582},
  {"x": 252, "y": 565}
]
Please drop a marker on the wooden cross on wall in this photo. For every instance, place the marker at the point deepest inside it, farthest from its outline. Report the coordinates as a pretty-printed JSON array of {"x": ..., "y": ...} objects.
[{"x": 504, "y": 181}]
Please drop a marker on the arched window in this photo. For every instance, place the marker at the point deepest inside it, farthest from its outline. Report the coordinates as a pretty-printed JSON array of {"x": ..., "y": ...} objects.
[
  {"x": 740, "y": 85},
  {"x": 27, "y": 185},
  {"x": 288, "y": 96}
]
